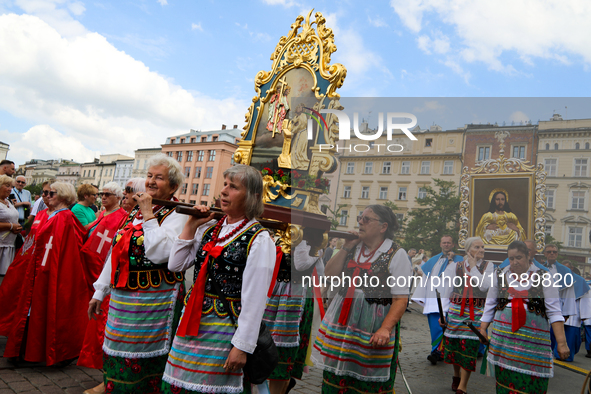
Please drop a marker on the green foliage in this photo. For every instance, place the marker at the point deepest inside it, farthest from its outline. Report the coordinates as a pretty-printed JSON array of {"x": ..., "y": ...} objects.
[
  {"x": 438, "y": 214},
  {"x": 34, "y": 189},
  {"x": 551, "y": 240},
  {"x": 335, "y": 216}
]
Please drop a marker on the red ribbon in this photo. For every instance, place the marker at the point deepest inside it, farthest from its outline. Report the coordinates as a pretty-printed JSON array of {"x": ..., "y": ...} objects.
[
  {"x": 468, "y": 297},
  {"x": 278, "y": 258},
  {"x": 318, "y": 295},
  {"x": 120, "y": 256},
  {"x": 344, "y": 316},
  {"x": 192, "y": 316},
  {"x": 518, "y": 308}
]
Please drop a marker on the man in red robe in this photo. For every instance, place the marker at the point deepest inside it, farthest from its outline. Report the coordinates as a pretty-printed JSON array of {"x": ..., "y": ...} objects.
[
  {"x": 95, "y": 251},
  {"x": 50, "y": 319}
]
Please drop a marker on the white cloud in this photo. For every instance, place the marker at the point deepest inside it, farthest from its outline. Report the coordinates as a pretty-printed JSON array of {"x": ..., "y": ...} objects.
[
  {"x": 285, "y": 3},
  {"x": 519, "y": 116},
  {"x": 485, "y": 31},
  {"x": 86, "y": 89},
  {"x": 196, "y": 26},
  {"x": 57, "y": 14},
  {"x": 432, "y": 105},
  {"x": 377, "y": 21},
  {"x": 439, "y": 44},
  {"x": 162, "y": 2}
]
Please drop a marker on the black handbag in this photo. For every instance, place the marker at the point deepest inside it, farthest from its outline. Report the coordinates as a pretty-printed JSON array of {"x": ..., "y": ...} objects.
[
  {"x": 18, "y": 242},
  {"x": 261, "y": 363}
]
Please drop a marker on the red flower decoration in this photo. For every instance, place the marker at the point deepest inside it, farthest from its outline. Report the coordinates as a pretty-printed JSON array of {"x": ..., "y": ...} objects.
[
  {"x": 175, "y": 389},
  {"x": 110, "y": 386},
  {"x": 301, "y": 183},
  {"x": 280, "y": 172},
  {"x": 135, "y": 368},
  {"x": 127, "y": 362},
  {"x": 267, "y": 169}
]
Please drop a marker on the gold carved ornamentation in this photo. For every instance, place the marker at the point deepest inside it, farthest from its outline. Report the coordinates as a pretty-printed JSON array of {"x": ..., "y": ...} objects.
[
  {"x": 296, "y": 202},
  {"x": 268, "y": 194},
  {"x": 287, "y": 236},
  {"x": 296, "y": 234}
]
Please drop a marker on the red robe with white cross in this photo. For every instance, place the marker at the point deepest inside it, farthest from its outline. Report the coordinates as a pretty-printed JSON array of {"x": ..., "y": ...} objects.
[
  {"x": 96, "y": 250},
  {"x": 54, "y": 295}
]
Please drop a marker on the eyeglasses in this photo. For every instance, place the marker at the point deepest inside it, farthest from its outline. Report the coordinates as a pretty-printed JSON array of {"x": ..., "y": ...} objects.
[
  {"x": 106, "y": 194},
  {"x": 46, "y": 192},
  {"x": 365, "y": 219},
  {"x": 51, "y": 193},
  {"x": 23, "y": 182},
  {"x": 128, "y": 189},
  {"x": 551, "y": 251}
]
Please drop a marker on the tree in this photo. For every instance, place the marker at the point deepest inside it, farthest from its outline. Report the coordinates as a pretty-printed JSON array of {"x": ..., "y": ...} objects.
[
  {"x": 34, "y": 189},
  {"x": 438, "y": 214},
  {"x": 335, "y": 216}
]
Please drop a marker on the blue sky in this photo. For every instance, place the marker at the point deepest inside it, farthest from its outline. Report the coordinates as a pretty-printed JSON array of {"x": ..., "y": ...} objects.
[{"x": 80, "y": 78}]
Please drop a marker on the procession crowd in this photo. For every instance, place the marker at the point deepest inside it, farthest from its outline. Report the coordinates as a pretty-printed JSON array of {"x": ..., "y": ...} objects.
[{"x": 108, "y": 288}]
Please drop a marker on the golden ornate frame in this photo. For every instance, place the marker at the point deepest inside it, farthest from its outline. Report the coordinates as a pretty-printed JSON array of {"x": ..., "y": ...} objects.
[{"x": 505, "y": 168}]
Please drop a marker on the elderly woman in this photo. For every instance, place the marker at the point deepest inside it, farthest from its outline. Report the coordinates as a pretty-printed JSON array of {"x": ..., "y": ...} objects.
[
  {"x": 208, "y": 352},
  {"x": 471, "y": 280},
  {"x": 9, "y": 226},
  {"x": 359, "y": 336},
  {"x": 132, "y": 186},
  {"x": 49, "y": 322},
  {"x": 96, "y": 250},
  {"x": 524, "y": 304},
  {"x": 146, "y": 298}
]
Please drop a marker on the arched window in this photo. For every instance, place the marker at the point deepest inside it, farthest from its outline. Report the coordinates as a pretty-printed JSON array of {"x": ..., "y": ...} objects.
[
  {"x": 586, "y": 145},
  {"x": 547, "y": 146},
  {"x": 577, "y": 146},
  {"x": 555, "y": 146}
]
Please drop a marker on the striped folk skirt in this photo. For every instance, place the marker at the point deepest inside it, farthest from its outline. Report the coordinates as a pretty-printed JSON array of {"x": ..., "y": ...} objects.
[
  {"x": 138, "y": 334},
  {"x": 460, "y": 344}
]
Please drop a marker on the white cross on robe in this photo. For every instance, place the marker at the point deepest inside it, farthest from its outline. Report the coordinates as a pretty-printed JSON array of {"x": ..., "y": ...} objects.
[
  {"x": 104, "y": 238},
  {"x": 48, "y": 247}
]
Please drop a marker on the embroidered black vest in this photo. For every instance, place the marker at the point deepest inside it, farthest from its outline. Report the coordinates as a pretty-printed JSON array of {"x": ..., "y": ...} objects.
[
  {"x": 379, "y": 294},
  {"x": 142, "y": 272},
  {"x": 227, "y": 270},
  {"x": 458, "y": 291},
  {"x": 535, "y": 295}
]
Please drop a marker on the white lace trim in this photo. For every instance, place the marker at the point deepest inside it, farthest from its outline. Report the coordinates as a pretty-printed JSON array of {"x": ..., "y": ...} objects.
[
  {"x": 203, "y": 388},
  {"x": 462, "y": 336},
  {"x": 523, "y": 371},
  {"x": 363, "y": 378}
]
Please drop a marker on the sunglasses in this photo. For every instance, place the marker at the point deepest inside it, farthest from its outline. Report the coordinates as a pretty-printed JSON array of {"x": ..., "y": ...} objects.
[
  {"x": 365, "y": 219},
  {"x": 46, "y": 192},
  {"x": 23, "y": 182},
  {"x": 106, "y": 194},
  {"x": 51, "y": 193},
  {"x": 128, "y": 189},
  {"x": 551, "y": 251}
]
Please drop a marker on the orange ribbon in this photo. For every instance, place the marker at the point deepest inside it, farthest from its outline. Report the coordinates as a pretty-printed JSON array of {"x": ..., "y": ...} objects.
[
  {"x": 468, "y": 297},
  {"x": 344, "y": 316},
  {"x": 518, "y": 308},
  {"x": 192, "y": 316}
]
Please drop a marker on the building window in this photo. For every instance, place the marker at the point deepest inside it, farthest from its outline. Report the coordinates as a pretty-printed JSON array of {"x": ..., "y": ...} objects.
[
  {"x": 182, "y": 141},
  {"x": 195, "y": 188},
  {"x": 405, "y": 167},
  {"x": 169, "y": 154},
  {"x": 422, "y": 192},
  {"x": 578, "y": 200},
  {"x": 172, "y": 140},
  {"x": 577, "y": 146},
  {"x": 586, "y": 145},
  {"x": 399, "y": 217},
  {"x": 206, "y": 189},
  {"x": 547, "y": 146},
  {"x": 580, "y": 167},
  {"x": 368, "y": 167},
  {"x": 192, "y": 141},
  {"x": 575, "y": 237},
  {"x": 199, "y": 155},
  {"x": 428, "y": 142},
  {"x": 211, "y": 155},
  {"x": 448, "y": 167},
  {"x": 344, "y": 217},
  {"x": 192, "y": 202},
  {"x": 550, "y": 198},
  {"x": 203, "y": 202},
  {"x": 198, "y": 172},
  {"x": 209, "y": 173},
  {"x": 402, "y": 193},
  {"x": 190, "y": 155},
  {"x": 187, "y": 171},
  {"x": 365, "y": 192},
  {"x": 93, "y": 173},
  {"x": 184, "y": 188},
  {"x": 383, "y": 193},
  {"x": 215, "y": 139},
  {"x": 555, "y": 146},
  {"x": 84, "y": 173},
  {"x": 425, "y": 167},
  {"x": 350, "y": 168},
  {"x": 548, "y": 230},
  {"x": 550, "y": 166},
  {"x": 146, "y": 162},
  {"x": 347, "y": 192},
  {"x": 483, "y": 153},
  {"x": 203, "y": 139},
  {"x": 386, "y": 167},
  {"x": 519, "y": 152},
  {"x": 179, "y": 156}
]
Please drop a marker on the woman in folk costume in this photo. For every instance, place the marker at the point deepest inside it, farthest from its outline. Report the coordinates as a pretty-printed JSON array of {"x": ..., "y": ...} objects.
[
  {"x": 359, "y": 336},
  {"x": 290, "y": 311},
  {"x": 522, "y": 304},
  {"x": 146, "y": 298},
  {"x": 471, "y": 280},
  {"x": 95, "y": 250},
  {"x": 208, "y": 352},
  {"x": 47, "y": 324}
]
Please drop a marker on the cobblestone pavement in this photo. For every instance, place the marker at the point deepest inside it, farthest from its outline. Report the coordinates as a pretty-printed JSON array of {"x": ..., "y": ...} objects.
[{"x": 422, "y": 377}]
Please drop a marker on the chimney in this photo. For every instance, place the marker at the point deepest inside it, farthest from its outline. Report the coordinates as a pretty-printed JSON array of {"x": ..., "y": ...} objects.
[
  {"x": 235, "y": 126},
  {"x": 223, "y": 127}
]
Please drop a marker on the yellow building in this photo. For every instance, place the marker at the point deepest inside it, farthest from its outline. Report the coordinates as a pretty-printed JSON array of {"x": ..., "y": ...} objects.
[
  {"x": 564, "y": 149},
  {"x": 373, "y": 172}
]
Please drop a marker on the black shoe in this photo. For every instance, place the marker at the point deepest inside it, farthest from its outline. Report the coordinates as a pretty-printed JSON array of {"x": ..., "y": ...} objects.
[
  {"x": 408, "y": 310},
  {"x": 292, "y": 383},
  {"x": 434, "y": 357},
  {"x": 588, "y": 355}
]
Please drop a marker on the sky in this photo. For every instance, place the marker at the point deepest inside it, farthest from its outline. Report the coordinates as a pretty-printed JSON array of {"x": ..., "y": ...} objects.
[{"x": 84, "y": 78}]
